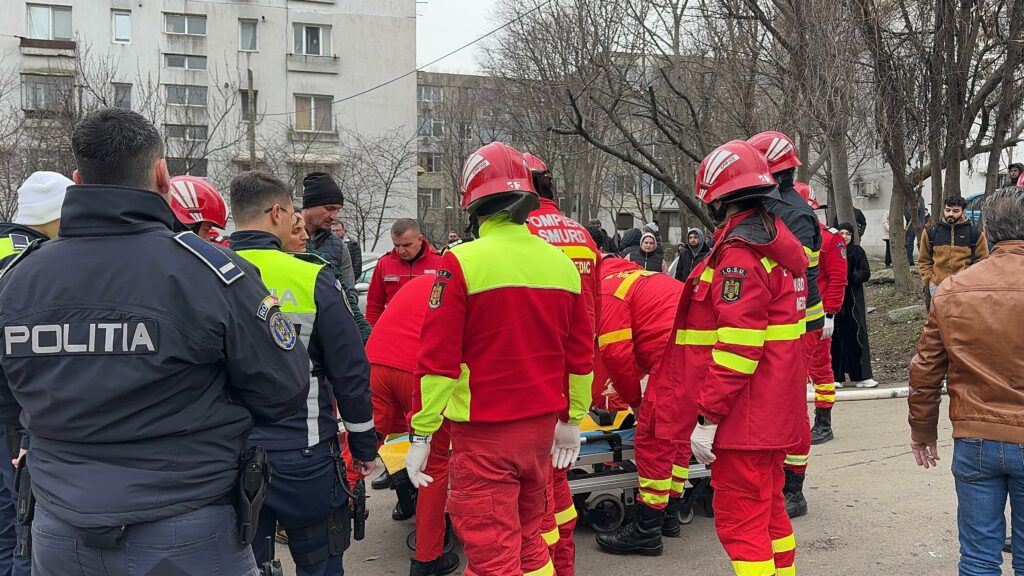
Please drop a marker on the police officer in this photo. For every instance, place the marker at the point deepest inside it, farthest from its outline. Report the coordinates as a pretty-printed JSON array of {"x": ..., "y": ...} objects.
[
  {"x": 38, "y": 218},
  {"x": 306, "y": 495},
  {"x": 137, "y": 360}
]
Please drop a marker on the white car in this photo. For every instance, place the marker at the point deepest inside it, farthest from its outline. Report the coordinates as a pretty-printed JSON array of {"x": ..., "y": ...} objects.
[{"x": 363, "y": 279}]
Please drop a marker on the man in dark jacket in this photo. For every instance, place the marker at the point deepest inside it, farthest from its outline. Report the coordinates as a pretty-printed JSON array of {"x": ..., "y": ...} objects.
[
  {"x": 354, "y": 249},
  {"x": 694, "y": 252},
  {"x": 951, "y": 245},
  {"x": 630, "y": 250},
  {"x": 321, "y": 201}
]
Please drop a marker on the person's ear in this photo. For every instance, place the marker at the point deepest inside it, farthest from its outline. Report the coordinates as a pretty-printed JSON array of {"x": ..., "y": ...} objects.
[
  {"x": 76, "y": 177},
  {"x": 163, "y": 177}
]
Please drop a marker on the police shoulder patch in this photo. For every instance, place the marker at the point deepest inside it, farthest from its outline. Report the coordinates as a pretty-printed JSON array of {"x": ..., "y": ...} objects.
[
  {"x": 732, "y": 289},
  {"x": 19, "y": 241},
  {"x": 265, "y": 306},
  {"x": 436, "y": 293},
  {"x": 282, "y": 330},
  {"x": 216, "y": 260}
]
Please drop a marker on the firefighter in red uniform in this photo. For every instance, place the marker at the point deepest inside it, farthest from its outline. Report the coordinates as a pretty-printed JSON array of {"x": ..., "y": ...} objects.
[
  {"x": 737, "y": 368},
  {"x": 199, "y": 206},
  {"x": 500, "y": 374},
  {"x": 574, "y": 241},
  {"x": 637, "y": 313}
]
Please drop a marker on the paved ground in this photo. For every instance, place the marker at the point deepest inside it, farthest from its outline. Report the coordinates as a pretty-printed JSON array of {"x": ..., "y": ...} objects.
[{"x": 873, "y": 512}]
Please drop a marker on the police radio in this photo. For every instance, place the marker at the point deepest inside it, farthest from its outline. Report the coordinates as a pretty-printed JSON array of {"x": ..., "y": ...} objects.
[{"x": 272, "y": 567}]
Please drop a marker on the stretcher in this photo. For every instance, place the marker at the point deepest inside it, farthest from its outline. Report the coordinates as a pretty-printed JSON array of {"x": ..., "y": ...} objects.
[{"x": 603, "y": 481}]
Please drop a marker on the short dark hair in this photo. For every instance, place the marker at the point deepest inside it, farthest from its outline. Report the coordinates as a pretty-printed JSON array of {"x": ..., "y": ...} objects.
[
  {"x": 117, "y": 147},
  {"x": 544, "y": 184},
  {"x": 955, "y": 201},
  {"x": 403, "y": 225},
  {"x": 253, "y": 191}
]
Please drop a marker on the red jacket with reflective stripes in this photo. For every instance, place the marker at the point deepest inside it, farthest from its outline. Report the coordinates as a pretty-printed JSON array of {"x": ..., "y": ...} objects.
[
  {"x": 574, "y": 240},
  {"x": 396, "y": 335},
  {"x": 832, "y": 276},
  {"x": 392, "y": 273},
  {"x": 637, "y": 309},
  {"x": 736, "y": 356}
]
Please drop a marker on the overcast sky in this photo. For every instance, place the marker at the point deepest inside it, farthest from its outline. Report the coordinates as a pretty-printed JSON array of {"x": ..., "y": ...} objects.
[{"x": 444, "y": 25}]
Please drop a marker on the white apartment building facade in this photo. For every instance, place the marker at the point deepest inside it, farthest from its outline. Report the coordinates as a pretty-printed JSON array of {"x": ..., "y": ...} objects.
[{"x": 184, "y": 63}]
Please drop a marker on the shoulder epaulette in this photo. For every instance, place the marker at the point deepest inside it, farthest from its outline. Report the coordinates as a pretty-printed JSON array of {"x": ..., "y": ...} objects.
[
  {"x": 19, "y": 256},
  {"x": 218, "y": 261},
  {"x": 19, "y": 241}
]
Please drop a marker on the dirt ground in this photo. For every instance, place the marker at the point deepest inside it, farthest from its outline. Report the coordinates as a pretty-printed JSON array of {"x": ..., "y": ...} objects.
[{"x": 892, "y": 344}]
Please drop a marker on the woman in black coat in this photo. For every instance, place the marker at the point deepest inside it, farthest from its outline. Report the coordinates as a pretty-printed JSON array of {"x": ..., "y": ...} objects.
[{"x": 851, "y": 354}]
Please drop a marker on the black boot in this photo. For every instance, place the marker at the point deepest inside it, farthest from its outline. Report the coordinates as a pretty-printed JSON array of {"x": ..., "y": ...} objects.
[
  {"x": 670, "y": 526},
  {"x": 641, "y": 536},
  {"x": 821, "y": 432},
  {"x": 381, "y": 482},
  {"x": 447, "y": 563},
  {"x": 796, "y": 505}
]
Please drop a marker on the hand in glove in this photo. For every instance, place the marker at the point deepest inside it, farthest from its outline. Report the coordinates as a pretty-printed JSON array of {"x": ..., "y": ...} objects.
[
  {"x": 701, "y": 440},
  {"x": 567, "y": 445},
  {"x": 416, "y": 461},
  {"x": 830, "y": 326}
]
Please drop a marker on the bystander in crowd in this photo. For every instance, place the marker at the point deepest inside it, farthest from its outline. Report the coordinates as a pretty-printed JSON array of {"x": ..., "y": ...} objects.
[
  {"x": 949, "y": 246},
  {"x": 851, "y": 354}
]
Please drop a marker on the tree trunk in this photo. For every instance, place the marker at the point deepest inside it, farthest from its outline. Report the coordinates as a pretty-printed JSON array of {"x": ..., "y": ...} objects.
[
  {"x": 905, "y": 281},
  {"x": 839, "y": 160}
]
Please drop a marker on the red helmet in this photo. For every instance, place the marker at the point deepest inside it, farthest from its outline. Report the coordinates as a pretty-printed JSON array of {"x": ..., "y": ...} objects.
[
  {"x": 778, "y": 149},
  {"x": 807, "y": 193},
  {"x": 1020, "y": 179},
  {"x": 730, "y": 168},
  {"x": 535, "y": 164},
  {"x": 195, "y": 200},
  {"x": 494, "y": 169}
]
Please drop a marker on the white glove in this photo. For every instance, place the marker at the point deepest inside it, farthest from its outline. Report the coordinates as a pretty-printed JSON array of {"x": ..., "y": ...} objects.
[
  {"x": 701, "y": 440},
  {"x": 567, "y": 445},
  {"x": 830, "y": 326},
  {"x": 416, "y": 461}
]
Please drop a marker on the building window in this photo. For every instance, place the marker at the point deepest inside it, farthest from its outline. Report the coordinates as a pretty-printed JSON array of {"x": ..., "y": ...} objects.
[
  {"x": 121, "y": 26},
  {"x": 429, "y": 94},
  {"x": 49, "y": 22},
  {"x": 314, "y": 113},
  {"x": 243, "y": 102},
  {"x": 429, "y": 198},
  {"x": 191, "y": 24},
  {"x": 247, "y": 35},
  {"x": 429, "y": 126},
  {"x": 182, "y": 95},
  {"x": 487, "y": 112},
  {"x": 185, "y": 62},
  {"x": 44, "y": 93},
  {"x": 183, "y": 166},
  {"x": 189, "y": 132},
  {"x": 312, "y": 40},
  {"x": 123, "y": 96},
  {"x": 431, "y": 162}
]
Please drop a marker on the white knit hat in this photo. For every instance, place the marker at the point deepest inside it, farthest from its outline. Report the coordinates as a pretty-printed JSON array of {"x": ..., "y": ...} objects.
[{"x": 40, "y": 198}]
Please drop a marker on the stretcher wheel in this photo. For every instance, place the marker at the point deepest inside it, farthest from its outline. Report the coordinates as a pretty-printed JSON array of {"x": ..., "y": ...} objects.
[
  {"x": 685, "y": 517},
  {"x": 605, "y": 513}
]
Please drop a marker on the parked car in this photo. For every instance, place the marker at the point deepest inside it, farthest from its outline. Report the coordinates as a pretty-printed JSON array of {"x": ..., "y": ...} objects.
[
  {"x": 973, "y": 209},
  {"x": 363, "y": 279}
]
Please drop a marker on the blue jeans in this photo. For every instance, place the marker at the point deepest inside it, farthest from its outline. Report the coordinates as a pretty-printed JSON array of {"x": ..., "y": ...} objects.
[{"x": 986, "y": 472}]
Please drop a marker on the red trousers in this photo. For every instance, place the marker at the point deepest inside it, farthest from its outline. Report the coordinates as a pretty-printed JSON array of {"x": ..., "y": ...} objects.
[
  {"x": 662, "y": 466},
  {"x": 430, "y": 505},
  {"x": 391, "y": 393},
  {"x": 819, "y": 368},
  {"x": 797, "y": 461},
  {"x": 560, "y": 523},
  {"x": 750, "y": 512},
  {"x": 499, "y": 479}
]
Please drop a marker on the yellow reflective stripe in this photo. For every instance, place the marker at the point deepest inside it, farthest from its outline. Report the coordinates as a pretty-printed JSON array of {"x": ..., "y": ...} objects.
[
  {"x": 579, "y": 396},
  {"x": 650, "y": 484},
  {"x": 825, "y": 388},
  {"x": 653, "y": 499},
  {"x": 796, "y": 460},
  {"x": 681, "y": 472},
  {"x": 578, "y": 253},
  {"x": 763, "y": 568},
  {"x": 696, "y": 337},
  {"x": 550, "y": 537},
  {"x": 627, "y": 283},
  {"x": 768, "y": 264},
  {"x": 565, "y": 516},
  {"x": 677, "y": 487},
  {"x": 614, "y": 336},
  {"x": 707, "y": 274},
  {"x": 546, "y": 570},
  {"x": 785, "y": 331},
  {"x": 812, "y": 257},
  {"x": 734, "y": 361},
  {"x": 784, "y": 544},
  {"x": 815, "y": 312},
  {"x": 785, "y": 571},
  {"x": 741, "y": 336},
  {"x": 825, "y": 397},
  {"x": 438, "y": 394}
]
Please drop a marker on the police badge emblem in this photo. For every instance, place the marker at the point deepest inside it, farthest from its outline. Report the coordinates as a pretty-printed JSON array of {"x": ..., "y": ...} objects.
[
  {"x": 435, "y": 295},
  {"x": 282, "y": 330},
  {"x": 731, "y": 289}
]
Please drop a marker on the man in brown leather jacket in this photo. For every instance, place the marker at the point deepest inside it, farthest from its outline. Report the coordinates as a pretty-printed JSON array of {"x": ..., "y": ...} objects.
[{"x": 972, "y": 338}]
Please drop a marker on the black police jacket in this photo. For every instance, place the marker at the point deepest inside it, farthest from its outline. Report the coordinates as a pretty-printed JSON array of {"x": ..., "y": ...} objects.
[{"x": 137, "y": 360}]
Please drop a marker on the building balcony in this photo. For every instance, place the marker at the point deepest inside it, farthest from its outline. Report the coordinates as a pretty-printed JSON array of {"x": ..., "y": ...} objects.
[
  {"x": 315, "y": 64},
  {"x": 34, "y": 47},
  {"x": 322, "y": 136}
]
